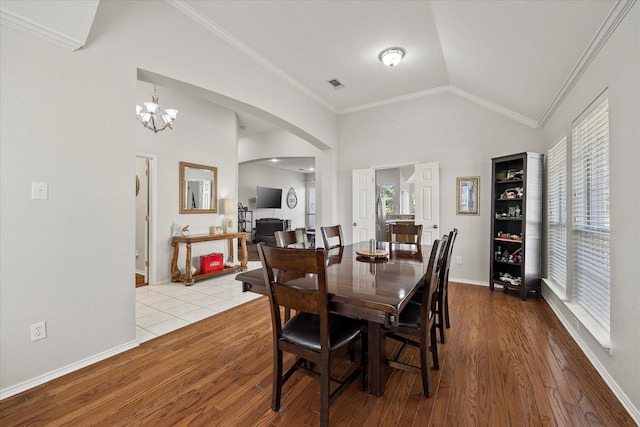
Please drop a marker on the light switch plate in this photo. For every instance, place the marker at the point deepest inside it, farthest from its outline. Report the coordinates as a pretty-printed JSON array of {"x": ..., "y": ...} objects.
[{"x": 39, "y": 190}]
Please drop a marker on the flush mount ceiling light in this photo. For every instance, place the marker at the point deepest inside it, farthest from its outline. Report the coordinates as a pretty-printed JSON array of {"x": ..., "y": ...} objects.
[
  {"x": 155, "y": 118},
  {"x": 391, "y": 56}
]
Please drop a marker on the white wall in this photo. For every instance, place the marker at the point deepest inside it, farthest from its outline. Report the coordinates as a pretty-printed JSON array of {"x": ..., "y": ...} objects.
[
  {"x": 459, "y": 134},
  {"x": 252, "y": 175},
  {"x": 617, "y": 67},
  {"x": 205, "y": 134},
  {"x": 67, "y": 119}
]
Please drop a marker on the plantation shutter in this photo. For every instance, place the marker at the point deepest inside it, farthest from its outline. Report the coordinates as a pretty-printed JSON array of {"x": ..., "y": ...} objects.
[
  {"x": 591, "y": 236},
  {"x": 557, "y": 213}
]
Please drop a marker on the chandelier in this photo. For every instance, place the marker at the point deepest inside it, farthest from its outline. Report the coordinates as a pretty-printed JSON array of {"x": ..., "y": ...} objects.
[{"x": 155, "y": 118}]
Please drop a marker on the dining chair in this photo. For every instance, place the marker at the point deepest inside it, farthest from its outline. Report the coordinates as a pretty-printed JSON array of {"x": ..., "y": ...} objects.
[
  {"x": 314, "y": 334},
  {"x": 294, "y": 238},
  {"x": 442, "y": 293},
  {"x": 405, "y": 233},
  {"x": 416, "y": 324},
  {"x": 333, "y": 234}
]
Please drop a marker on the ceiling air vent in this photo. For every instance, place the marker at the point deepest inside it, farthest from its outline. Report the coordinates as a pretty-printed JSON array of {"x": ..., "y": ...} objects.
[{"x": 336, "y": 84}]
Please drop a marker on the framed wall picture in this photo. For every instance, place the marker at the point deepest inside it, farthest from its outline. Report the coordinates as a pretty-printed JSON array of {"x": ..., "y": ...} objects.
[{"x": 467, "y": 191}]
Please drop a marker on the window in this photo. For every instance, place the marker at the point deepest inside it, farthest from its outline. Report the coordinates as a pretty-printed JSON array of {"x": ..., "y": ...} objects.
[
  {"x": 590, "y": 211},
  {"x": 557, "y": 213},
  {"x": 388, "y": 198}
]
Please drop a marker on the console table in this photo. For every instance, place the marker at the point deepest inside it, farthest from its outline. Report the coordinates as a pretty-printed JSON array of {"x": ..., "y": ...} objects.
[{"x": 189, "y": 278}]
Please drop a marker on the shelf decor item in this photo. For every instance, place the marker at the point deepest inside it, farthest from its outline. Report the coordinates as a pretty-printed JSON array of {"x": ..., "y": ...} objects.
[
  {"x": 468, "y": 189},
  {"x": 516, "y": 223}
]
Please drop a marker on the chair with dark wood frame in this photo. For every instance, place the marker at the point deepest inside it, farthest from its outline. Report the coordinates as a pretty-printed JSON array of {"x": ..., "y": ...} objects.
[
  {"x": 293, "y": 238},
  {"x": 442, "y": 294},
  {"x": 331, "y": 233},
  {"x": 410, "y": 233},
  {"x": 314, "y": 334},
  {"x": 416, "y": 324}
]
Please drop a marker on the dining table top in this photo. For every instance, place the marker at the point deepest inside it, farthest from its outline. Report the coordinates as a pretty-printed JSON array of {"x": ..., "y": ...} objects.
[{"x": 361, "y": 284}]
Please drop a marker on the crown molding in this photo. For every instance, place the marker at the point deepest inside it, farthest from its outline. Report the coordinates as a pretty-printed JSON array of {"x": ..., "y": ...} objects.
[
  {"x": 611, "y": 22},
  {"x": 449, "y": 89},
  {"x": 226, "y": 36},
  {"x": 615, "y": 16},
  {"x": 39, "y": 31},
  {"x": 495, "y": 107}
]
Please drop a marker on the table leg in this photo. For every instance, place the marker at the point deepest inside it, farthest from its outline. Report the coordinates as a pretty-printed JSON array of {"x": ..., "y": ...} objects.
[
  {"x": 188, "y": 278},
  {"x": 245, "y": 254},
  {"x": 376, "y": 358},
  {"x": 232, "y": 258}
]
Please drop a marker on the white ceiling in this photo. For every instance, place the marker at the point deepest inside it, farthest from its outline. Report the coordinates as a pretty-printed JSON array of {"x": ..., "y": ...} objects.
[
  {"x": 517, "y": 58},
  {"x": 513, "y": 56}
]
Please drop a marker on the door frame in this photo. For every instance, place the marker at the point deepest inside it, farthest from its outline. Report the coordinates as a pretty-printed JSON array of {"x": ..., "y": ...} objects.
[
  {"x": 152, "y": 160},
  {"x": 428, "y": 233}
]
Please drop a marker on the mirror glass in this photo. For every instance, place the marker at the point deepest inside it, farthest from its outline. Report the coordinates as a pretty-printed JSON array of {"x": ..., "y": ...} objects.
[{"x": 198, "y": 188}]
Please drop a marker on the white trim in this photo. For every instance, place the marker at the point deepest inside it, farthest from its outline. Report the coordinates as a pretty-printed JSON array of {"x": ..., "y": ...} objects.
[
  {"x": 414, "y": 95},
  {"x": 496, "y": 108},
  {"x": 555, "y": 288},
  {"x": 613, "y": 19},
  {"x": 153, "y": 213},
  {"x": 469, "y": 282},
  {"x": 26, "y": 385},
  {"x": 615, "y": 388},
  {"x": 201, "y": 19},
  {"x": 615, "y": 16},
  {"x": 39, "y": 31}
]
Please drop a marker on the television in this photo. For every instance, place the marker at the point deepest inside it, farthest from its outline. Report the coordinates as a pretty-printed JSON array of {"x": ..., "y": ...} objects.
[{"x": 268, "y": 198}]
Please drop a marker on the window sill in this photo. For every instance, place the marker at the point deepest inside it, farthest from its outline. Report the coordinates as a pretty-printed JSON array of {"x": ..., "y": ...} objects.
[
  {"x": 560, "y": 291},
  {"x": 581, "y": 317},
  {"x": 598, "y": 332}
]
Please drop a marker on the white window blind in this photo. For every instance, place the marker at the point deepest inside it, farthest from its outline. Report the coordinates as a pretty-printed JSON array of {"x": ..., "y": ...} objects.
[
  {"x": 557, "y": 213},
  {"x": 591, "y": 261}
]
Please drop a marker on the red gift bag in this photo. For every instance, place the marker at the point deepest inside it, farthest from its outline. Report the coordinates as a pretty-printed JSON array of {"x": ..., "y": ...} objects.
[{"x": 211, "y": 262}]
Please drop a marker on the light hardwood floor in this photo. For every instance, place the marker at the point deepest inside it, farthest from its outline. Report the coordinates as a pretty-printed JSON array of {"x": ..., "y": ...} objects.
[{"x": 506, "y": 363}]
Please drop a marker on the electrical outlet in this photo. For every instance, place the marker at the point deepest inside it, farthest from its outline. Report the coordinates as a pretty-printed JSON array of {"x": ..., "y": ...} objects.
[
  {"x": 458, "y": 260},
  {"x": 576, "y": 324},
  {"x": 38, "y": 331}
]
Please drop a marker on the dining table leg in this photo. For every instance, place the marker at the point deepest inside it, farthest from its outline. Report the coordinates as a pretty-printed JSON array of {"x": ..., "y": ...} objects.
[{"x": 376, "y": 378}]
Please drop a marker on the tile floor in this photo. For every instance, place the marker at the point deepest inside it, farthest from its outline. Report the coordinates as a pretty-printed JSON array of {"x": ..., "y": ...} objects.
[{"x": 164, "y": 308}]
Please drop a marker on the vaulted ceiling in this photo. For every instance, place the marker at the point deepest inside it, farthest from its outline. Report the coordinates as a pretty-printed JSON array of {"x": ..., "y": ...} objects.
[{"x": 515, "y": 57}]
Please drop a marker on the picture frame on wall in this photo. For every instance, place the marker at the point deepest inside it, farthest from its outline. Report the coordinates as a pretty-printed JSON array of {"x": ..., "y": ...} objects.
[{"x": 467, "y": 195}]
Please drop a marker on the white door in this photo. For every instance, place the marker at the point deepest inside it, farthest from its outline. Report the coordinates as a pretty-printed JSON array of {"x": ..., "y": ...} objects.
[
  {"x": 427, "y": 183},
  {"x": 363, "y": 211}
]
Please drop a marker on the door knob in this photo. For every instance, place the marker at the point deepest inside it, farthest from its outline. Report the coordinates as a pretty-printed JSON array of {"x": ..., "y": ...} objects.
[
  {"x": 435, "y": 225},
  {"x": 355, "y": 224}
]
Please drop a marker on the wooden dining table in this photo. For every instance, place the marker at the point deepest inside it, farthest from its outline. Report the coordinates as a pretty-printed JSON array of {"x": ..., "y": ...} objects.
[{"x": 375, "y": 289}]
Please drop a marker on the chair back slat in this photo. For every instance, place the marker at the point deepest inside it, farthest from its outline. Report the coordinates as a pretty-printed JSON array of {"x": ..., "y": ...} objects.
[
  {"x": 332, "y": 236},
  {"x": 448, "y": 251},
  {"x": 410, "y": 233},
  {"x": 293, "y": 266},
  {"x": 293, "y": 238},
  {"x": 431, "y": 279}
]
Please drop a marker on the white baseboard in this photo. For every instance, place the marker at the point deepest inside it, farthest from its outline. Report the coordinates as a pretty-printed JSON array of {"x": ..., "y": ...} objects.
[
  {"x": 619, "y": 393},
  {"x": 19, "y": 388},
  {"x": 469, "y": 282}
]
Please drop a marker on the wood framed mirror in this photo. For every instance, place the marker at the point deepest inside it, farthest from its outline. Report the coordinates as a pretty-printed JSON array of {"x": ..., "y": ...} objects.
[{"x": 198, "y": 188}]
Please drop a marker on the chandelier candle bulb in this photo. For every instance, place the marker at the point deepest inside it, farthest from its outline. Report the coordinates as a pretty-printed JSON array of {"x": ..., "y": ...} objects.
[{"x": 154, "y": 118}]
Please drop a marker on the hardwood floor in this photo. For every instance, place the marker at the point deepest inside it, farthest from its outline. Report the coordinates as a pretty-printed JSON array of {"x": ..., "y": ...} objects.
[
  {"x": 140, "y": 280},
  {"x": 506, "y": 363}
]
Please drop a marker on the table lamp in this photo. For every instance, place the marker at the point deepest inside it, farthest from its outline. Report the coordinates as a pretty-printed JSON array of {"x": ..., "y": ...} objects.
[{"x": 229, "y": 208}]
